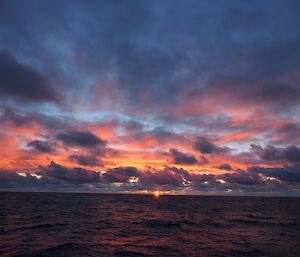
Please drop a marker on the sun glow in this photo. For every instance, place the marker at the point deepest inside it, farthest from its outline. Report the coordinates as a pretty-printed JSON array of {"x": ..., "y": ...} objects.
[{"x": 156, "y": 193}]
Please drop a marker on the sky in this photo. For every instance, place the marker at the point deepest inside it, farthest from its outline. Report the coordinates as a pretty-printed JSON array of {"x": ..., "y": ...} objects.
[{"x": 184, "y": 97}]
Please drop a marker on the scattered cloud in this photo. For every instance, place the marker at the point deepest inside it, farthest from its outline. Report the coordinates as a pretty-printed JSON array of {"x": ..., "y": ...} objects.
[
  {"x": 24, "y": 83},
  {"x": 84, "y": 139},
  {"x": 39, "y": 145},
  {"x": 205, "y": 146},
  {"x": 147, "y": 89},
  {"x": 182, "y": 158}
]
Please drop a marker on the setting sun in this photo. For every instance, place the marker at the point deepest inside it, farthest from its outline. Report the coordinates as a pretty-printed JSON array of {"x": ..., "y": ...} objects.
[{"x": 156, "y": 193}]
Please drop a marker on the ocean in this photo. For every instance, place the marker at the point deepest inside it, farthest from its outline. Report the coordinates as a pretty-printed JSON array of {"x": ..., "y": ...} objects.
[{"x": 65, "y": 224}]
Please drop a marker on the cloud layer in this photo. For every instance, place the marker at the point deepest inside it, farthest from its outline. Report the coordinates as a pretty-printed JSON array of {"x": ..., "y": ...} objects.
[{"x": 137, "y": 96}]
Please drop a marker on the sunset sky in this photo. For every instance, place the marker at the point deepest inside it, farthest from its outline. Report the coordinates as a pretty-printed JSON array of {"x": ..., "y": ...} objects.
[{"x": 184, "y": 97}]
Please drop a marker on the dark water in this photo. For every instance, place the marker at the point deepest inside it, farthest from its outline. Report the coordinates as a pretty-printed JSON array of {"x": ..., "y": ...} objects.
[{"x": 51, "y": 224}]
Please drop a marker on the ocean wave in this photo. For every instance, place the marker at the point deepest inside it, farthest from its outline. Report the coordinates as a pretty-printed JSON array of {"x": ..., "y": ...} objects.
[{"x": 131, "y": 226}]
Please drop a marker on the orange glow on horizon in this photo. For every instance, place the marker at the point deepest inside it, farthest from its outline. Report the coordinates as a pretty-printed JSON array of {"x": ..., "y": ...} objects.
[{"x": 156, "y": 193}]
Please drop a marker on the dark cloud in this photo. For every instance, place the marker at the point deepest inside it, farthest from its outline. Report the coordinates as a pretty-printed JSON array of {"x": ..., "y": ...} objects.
[
  {"x": 121, "y": 174},
  {"x": 242, "y": 178},
  {"x": 166, "y": 179},
  {"x": 182, "y": 158},
  {"x": 237, "y": 93},
  {"x": 161, "y": 53},
  {"x": 84, "y": 139},
  {"x": 41, "y": 146},
  {"x": 288, "y": 133},
  {"x": 23, "y": 83},
  {"x": 20, "y": 118},
  {"x": 281, "y": 180},
  {"x": 160, "y": 134},
  {"x": 76, "y": 175},
  {"x": 10, "y": 176},
  {"x": 168, "y": 71},
  {"x": 9, "y": 115},
  {"x": 288, "y": 174},
  {"x": 201, "y": 179},
  {"x": 85, "y": 160},
  {"x": 225, "y": 166},
  {"x": 292, "y": 154},
  {"x": 205, "y": 146},
  {"x": 133, "y": 126},
  {"x": 159, "y": 179},
  {"x": 273, "y": 153}
]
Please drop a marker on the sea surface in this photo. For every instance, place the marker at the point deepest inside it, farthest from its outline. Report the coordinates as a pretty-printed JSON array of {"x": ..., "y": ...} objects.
[{"x": 57, "y": 224}]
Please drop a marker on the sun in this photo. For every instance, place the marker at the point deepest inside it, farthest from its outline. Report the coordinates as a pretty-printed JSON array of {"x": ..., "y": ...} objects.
[{"x": 156, "y": 193}]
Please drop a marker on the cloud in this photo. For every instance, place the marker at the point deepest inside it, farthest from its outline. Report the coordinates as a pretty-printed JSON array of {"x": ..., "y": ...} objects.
[
  {"x": 121, "y": 174},
  {"x": 203, "y": 160},
  {"x": 273, "y": 153},
  {"x": 161, "y": 179},
  {"x": 76, "y": 175},
  {"x": 23, "y": 83},
  {"x": 201, "y": 179},
  {"x": 182, "y": 158},
  {"x": 167, "y": 178},
  {"x": 280, "y": 180},
  {"x": 85, "y": 160},
  {"x": 176, "y": 59},
  {"x": 9, "y": 115},
  {"x": 242, "y": 178},
  {"x": 288, "y": 133},
  {"x": 288, "y": 174},
  {"x": 9, "y": 176},
  {"x": 205, "y": 146},
  {"x": 41, "y": 146},
  {"x": 225, "y": 166},
  {"x": 22, "y": 118},
  {"x": 84, "y": 139},
  {"x": 149, "y": 80}
]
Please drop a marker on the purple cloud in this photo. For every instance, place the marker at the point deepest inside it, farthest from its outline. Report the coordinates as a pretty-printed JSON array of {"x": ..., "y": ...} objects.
[{"x": 182, "y": 158}]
